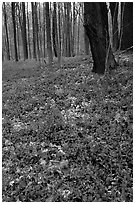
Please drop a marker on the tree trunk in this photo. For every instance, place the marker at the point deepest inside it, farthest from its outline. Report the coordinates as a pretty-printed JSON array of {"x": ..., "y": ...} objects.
[
  {"x": 24, "y": 34},
  {"x": 55, "y": 27},
  {"x": 68, "y": 29},
  {"x": 96, "y": 25},
  {"x": 127, "y": 25},
  {"x": 28, "y": 24},
  {"x": 44, "y": 34},
  {"x": 114, "y": 13},
  {"x": 18, "y": 34},
  {"x": 40, "y": 32},
  {"x": 6, "y": 29},
  {"x": 86, "y": 43},
  {"x": 54, "y": 30},
  {"x": 34, "y": 31},
  {"x": 73, "y": 32},
  {"x": 48, "y": 34},
  {"x": 14, "y": 28},
  {"x": 37, "y": 31}
]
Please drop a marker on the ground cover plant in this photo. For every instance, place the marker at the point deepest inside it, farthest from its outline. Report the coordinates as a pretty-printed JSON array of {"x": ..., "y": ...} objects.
[{"x": 67, "y": 134}]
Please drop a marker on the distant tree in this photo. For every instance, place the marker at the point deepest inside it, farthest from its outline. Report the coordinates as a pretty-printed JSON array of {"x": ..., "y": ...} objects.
[
  {"x": 48, "y": 33},
  {"x": 24, "y": 32},
  {"x": 6, "y": 29},
  {"x": 14, "y": 28},
  {"x": 127, "y": 25},
  {"x": 114, "y": 13},
  {"x": 96, "y": 25}
]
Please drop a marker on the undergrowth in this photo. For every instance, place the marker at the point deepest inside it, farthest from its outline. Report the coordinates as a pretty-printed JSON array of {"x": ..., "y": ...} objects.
[{"x": 67, "y": 134}]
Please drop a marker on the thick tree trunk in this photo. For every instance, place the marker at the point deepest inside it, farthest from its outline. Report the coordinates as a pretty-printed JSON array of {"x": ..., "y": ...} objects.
[
  {"x": 127, "y": 25},
  {"x": 96, "y": 25},
  {"x": 86, "y": 43},
  {"x": 114, "y": 14},
  {"x": 14, "y": 28}
]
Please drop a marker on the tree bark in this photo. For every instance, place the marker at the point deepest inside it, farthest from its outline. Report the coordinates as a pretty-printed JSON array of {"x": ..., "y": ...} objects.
[
  {"x": 14, "y": 28},
  {"x": 86, "y": 43},
  {"x": 96, "y": 25},
  {"x": 127, "y": 25}
]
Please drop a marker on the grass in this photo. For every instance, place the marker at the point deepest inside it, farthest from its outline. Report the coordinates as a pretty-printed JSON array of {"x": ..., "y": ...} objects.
[{"x": 67, "y": 134}]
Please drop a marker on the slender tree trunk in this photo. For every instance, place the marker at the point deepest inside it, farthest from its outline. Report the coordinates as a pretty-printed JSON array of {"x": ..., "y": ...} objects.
[
  {"x": 44, "y": 34},
  {"x": 14, "y": 28},
  {"x": 18, "y": 39},
  {"x": 24, "y": 34},
  {"x": 78, "y": 36},
  {"x": 73, "y": 35},
  {"x": 28, "y": 28},
  {"x": 34, "y": 31},
  {"x": 37, "y": 31},
  {"x": 96, "y": 25},
  {"x": 114, "y": 14},
  {"x": 56, "y": 35},
  {"x": 40, "y": 32},
  {"x": 48, "y": 34},
  {"x": 59, "y": 34},
  {"x": 54, "y": 30},
  {"x": 6, "y": 29},
  {"x": 68, "y": 29}
]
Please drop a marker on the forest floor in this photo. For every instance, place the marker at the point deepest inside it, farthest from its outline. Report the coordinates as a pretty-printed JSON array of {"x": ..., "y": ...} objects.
[{"x": 67, "y": 134}]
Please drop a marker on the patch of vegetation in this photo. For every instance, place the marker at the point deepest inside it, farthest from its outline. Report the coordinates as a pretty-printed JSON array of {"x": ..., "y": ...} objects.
[{"x": 67, "y": 135}]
